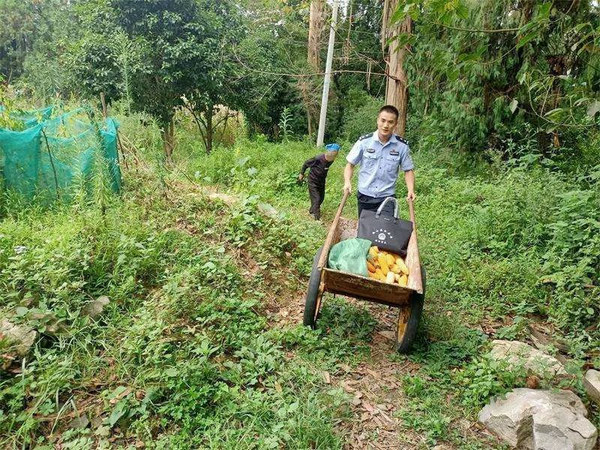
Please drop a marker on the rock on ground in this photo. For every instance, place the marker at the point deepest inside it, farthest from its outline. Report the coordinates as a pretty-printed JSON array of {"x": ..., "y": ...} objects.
[
  {"x": 540, "y": 420},
  {"x": 20, "y": 339},
  {"x": 522, "y": 355},
  {"x": 591, "y": 382},
  {"x": 96, "y": 307}
]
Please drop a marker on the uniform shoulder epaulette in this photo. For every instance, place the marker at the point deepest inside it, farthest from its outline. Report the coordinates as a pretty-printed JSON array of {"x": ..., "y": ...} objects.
[
  {"x": 366, "y": 136},
  {"x": 401, "y": 139}
]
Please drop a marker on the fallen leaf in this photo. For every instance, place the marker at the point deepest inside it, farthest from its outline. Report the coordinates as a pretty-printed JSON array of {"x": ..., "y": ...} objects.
[
  {"x": 374, "y": 374},
  {"x": 119, "y": 396},
  {"x": 326, "y": 377},
  {"x": 79, "y": 422},
  {"x": 533, "y": 382},
  {"x": 348, "y": 388},
  {"x": 388, "y": 335},
  {"x": 386, "y": 417},
  {"x": 369, "y": 407}
]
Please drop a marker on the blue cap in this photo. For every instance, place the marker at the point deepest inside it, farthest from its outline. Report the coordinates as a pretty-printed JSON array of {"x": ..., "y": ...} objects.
[{"x": 332, "y": 147}]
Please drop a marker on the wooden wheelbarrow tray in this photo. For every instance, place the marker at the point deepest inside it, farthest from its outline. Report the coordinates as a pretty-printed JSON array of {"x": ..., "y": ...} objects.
[{"x": 409, "y": 300}]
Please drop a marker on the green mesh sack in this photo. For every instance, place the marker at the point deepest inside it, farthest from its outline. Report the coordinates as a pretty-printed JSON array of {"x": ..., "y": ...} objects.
[{"x": 350, "y": 256}]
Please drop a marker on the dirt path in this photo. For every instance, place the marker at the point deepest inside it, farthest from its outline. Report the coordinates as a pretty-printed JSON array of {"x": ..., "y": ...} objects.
[{"x": 373, "y": 384}]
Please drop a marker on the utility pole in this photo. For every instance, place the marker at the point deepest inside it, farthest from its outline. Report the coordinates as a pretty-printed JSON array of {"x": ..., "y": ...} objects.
[{"x": 327, "y": 80}]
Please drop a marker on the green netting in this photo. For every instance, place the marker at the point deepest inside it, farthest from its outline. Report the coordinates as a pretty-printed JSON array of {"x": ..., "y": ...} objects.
[
  {"x": 30, "y": 118},
  {"x": 53, "y": 157}
]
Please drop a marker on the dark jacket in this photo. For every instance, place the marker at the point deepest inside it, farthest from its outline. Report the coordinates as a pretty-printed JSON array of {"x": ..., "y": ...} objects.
[{"x": 319, "y": 167}]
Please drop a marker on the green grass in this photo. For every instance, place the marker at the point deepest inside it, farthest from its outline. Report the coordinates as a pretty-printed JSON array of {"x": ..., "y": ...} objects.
[{"x": 184, "y": 356}]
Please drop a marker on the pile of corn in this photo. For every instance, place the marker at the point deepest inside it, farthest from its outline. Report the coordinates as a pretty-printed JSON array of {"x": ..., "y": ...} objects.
[{"x": 387, "y": 267}]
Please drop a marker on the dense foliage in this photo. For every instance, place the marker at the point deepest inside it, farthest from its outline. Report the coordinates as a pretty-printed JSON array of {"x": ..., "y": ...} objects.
[
  {"x": 521, "y": 78},
  {"x": 504, "y": 126},
  {"x": 184, "y": 355},
  {"x": 515, "y": 77}
]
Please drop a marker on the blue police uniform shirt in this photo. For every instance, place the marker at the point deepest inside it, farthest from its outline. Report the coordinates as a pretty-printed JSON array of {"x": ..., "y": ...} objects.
[{"x": 379, "y": 163}]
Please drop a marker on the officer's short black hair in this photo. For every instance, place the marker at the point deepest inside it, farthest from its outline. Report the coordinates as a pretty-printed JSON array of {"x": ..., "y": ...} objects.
[{"x": 389, "y": 109}]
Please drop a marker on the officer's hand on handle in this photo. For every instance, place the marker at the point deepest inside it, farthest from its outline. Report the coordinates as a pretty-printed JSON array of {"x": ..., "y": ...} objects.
[
  {"x": 411, "y": 196},
  {"x": 347, "y": 188}
]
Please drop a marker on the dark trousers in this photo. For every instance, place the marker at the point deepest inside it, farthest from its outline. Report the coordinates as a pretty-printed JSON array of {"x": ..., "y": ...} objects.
[
  {"x": 372, "y": 203},
  {"x": 317, "y": 195}
]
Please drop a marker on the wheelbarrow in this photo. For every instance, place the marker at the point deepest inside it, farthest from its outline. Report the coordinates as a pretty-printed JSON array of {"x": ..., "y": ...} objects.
[{"x": 409, "y": 300}]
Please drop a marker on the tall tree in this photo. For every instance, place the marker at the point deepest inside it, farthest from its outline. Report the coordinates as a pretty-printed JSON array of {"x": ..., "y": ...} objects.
[
  {"x": 396, "y": 92},
  {"x": 213, "y": 66},
  {"x": 490, "y": 74},
  {"x": 22, "y": 24},
  {"x": 163, "y": 32},
  {"x": 315, "y": 32}
]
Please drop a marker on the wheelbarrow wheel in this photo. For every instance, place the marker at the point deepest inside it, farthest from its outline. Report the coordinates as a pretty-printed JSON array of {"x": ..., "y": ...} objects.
[
  {"x": 312, "y": 302},
  {"x": 409, "y": 318}
]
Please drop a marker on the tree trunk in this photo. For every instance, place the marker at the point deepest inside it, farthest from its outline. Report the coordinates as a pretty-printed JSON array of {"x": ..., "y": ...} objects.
[
  {"x": 168, "y": 136},
  {"x": 396, "y": 92},
  {"x": 315, "y": 31},
  {"x": 209, "y": 130}
]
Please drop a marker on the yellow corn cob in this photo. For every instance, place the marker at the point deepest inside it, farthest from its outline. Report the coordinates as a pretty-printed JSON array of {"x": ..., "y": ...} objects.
[
  {"x": 373, "y": 251},
  {"x": 390, "y": 277},
  {"x": 402, "y": 266},
  {"x": 403, "y": 281},
  {"x": 389, "y": 259},
  {"x": 383, "y": 264}
]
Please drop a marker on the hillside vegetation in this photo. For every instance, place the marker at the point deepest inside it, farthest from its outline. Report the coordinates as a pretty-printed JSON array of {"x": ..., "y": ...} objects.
[
  {"x": 190, "y": 350},
  {"x": 165, "y": 312}
]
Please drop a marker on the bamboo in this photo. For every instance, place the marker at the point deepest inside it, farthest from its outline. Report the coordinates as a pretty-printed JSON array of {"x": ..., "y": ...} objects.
[
  {"x": 103, "y": 101},
  {"x": 52, "y": 164}
]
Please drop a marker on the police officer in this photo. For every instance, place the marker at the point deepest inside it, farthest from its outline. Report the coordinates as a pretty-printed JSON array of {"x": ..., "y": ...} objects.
[
  {"x": 380, "y": 155},
  {"x": 319, "y": 167}
]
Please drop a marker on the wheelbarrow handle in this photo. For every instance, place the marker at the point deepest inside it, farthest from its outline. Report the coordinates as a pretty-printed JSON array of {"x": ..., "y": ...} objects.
[
  {"x": 331, "y": 233},
  {"x": 411, "y": 209},
  {"x": 342, "y": 203}
]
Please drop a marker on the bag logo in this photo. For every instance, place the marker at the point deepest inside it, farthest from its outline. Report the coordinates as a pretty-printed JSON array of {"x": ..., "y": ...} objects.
[{"x": 382, "y": 235}]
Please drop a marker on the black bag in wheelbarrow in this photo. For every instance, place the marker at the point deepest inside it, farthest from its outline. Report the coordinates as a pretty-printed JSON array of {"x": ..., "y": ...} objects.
[{"x": 386, "y": 231}]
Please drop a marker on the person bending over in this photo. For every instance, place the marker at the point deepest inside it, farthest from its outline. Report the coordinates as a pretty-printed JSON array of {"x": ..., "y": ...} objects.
[{"x": 319, "y": 167}]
